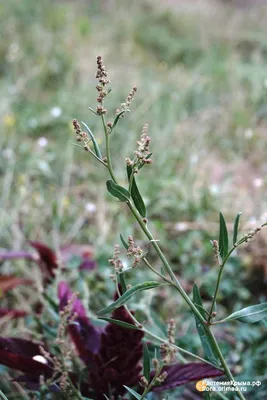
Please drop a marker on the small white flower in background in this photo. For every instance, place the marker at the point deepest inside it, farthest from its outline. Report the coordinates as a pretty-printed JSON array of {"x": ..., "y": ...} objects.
[
  {"x": 42, "y": 141},
  {"x": 248, "y": 133},
  {"x": 8, "y": 153},
  {"x": 257, "y": 182},
  {"x": 214, "y": 189},
  {"x": 181, "y": 226},
  {"x": 56, "y": 112},
  {"x": 90, "y": 207}
]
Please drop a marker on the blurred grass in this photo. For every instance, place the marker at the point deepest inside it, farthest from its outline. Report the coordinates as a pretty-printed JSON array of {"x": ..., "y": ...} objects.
[{"x": 202, "y": 85}]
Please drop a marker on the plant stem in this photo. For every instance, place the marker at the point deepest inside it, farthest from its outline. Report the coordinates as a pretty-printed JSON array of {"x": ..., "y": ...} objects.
[
  {"x": 168, "y": 268},
  {"x": 180, "y": 289},
  {"x": 175, "y": 281},
  {"x": 110, "y": 168},
  {"x": 241, "y": 241},
  {"x": 3, "y": 395},
  {"x": 218, "y": 282},
  {"x": 156, "y": 272}
]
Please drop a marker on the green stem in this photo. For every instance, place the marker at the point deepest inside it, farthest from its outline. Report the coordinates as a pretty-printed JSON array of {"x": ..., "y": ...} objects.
[
  {"x": 178, "y": 286},
  {"x": 168, "y": 268},
  {"x": 175, "y": 281},
  {"x": 110, "y": 168},
  {"x": 3, "y": 395},
  {"x": 156, "y": 272},
  {"x": 218, "y": 282},
  {"x": 241, "y": 241},
  {"x": 180, "y": 349}
]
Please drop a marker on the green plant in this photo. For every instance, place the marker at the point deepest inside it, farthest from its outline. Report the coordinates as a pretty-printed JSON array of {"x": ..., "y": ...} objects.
[{"x": 131, "y": 196}]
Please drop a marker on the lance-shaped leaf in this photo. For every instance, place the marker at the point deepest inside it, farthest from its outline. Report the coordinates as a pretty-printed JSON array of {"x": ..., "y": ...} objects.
[
  {"x": 116, "y": 120},
  {"x": 250, "y": 314},
  {"x": 122, "y": 283},
  {"x": 179, "y": 374},
  {"x": 223, "y": 238},
  {"x": 236, "y": 225},
  {"x": 123, "y": 241},
  {"x": 136, "y": 195},
  {"x": 96, "y": 147},
  {"x": 120, "y": 323},
  {"x": 208, "y": 347},
  {"x": 146, "y": 363},
  {"x": 127, "y": 295},
  {"x": 134, "y": 393},
  {"x": 118, "y": 191}
]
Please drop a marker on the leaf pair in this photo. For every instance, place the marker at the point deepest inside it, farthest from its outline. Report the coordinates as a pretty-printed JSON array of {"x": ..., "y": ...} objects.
[
  {"x": 223, "y": 235},
  {"x": 124, "y": 195}
]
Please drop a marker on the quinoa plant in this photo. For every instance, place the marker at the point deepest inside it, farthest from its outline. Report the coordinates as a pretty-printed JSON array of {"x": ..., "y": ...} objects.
[
  {"x": 121, "y": 360},
  {"x": 131, "y": 196}
]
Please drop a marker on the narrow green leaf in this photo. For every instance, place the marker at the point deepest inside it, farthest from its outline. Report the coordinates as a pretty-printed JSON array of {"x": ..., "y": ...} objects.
[
  {"x": 118, "y": 191},
  {"x": 116, "y": 120},
  {"x": 134, "y": 393},
  {"x": 146, "y": 363},
  {"x": 197, "y": 300},
  {"x": 250, "y": 314},
  {"x": 207, "y": 345},
  {"x": 52, "y": 303},
  {"x": 223, "y": 238},
  {"x": 96, "y": 147},
  {"x": 3, "y": 395},
  {"x": 136, "y": 195},
  {"x": 158, "y": 322},
  {"x": 122, "y": 282},
  {"x": 236, "y": 224},
  {"x": 123, "y": 241},
  {"x": 93, "y": 111},
  {"x": 147, "y": 157},
  {"x": 128, "y": 294},
  {"x": 120, "y": 323}
]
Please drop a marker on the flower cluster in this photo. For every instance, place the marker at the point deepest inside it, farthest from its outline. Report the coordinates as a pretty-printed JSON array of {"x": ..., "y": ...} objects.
[
  {"x": 115, "y": 261},
  {"x": 142, "y": 153},
  {"x": 168, "y": 351},
  {"x": 134, "y": 251},
  {"x": 102, "y": 76},
  {"x": 126, "y": 105}
]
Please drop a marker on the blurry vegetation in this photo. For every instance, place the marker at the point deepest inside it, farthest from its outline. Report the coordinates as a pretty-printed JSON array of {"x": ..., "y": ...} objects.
[{"x": 202, "y": 86}]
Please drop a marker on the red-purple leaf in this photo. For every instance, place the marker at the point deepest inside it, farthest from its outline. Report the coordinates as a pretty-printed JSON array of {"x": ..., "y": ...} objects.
[
  {"x": 48, "y": 258},
  {"x": 12, "y": 313},
  {"x": 179, "y": 374},
  {"x": 19, "y": 354},
  {"x": 8, "y": 282}
]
